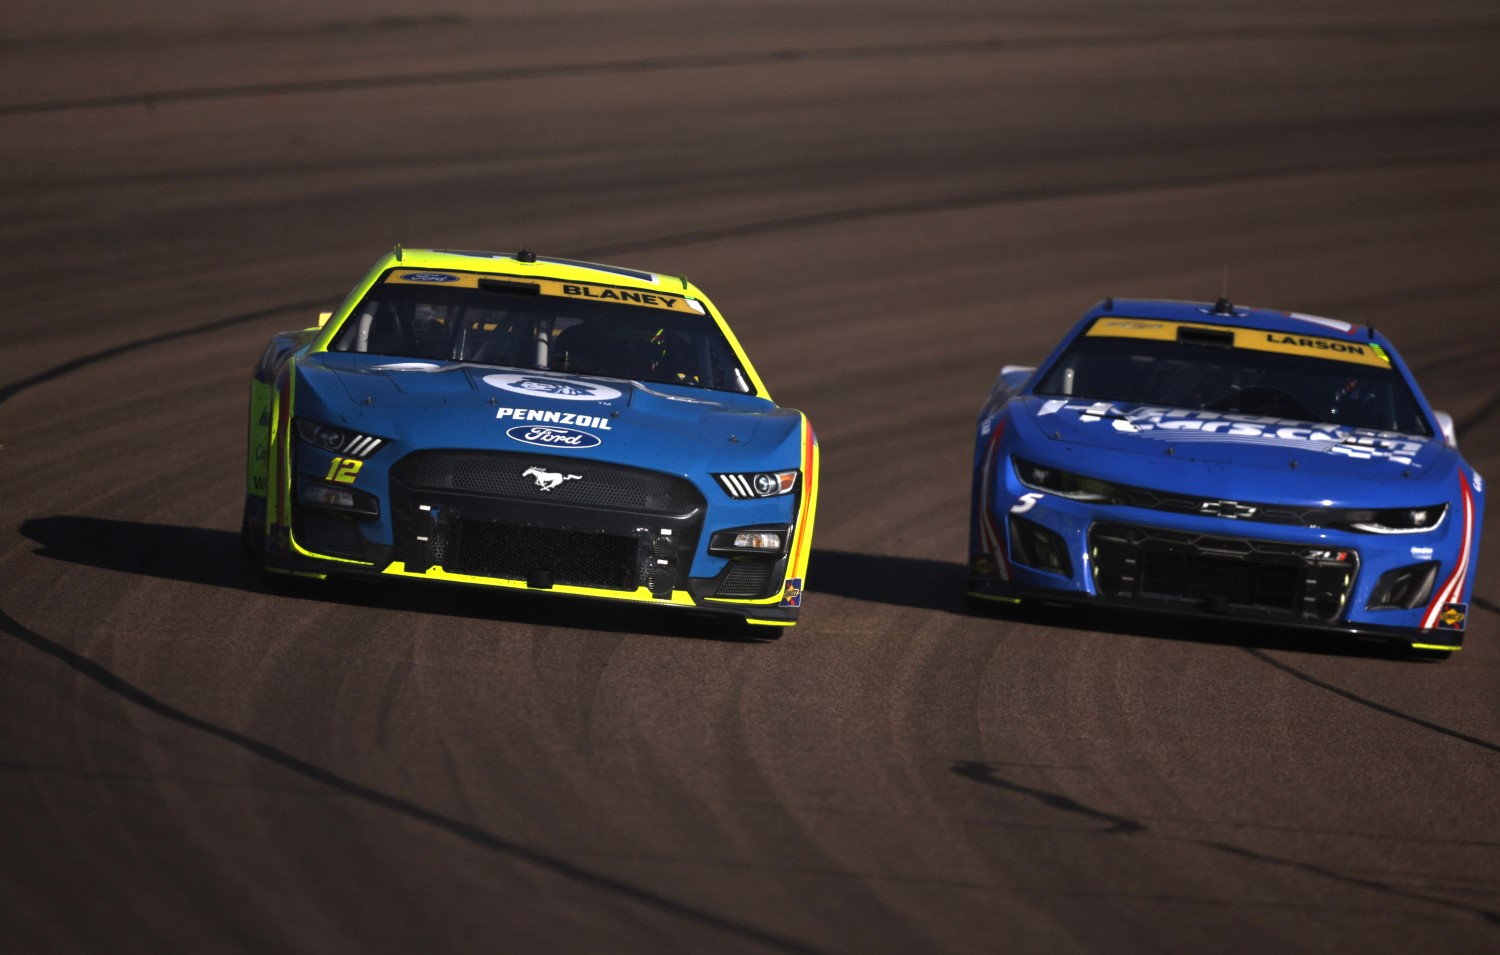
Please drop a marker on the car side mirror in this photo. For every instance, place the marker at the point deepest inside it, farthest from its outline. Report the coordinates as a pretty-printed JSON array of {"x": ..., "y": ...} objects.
[
  {"x": 1445, "y": 425},
  {"x": 323, "y": 318},
  {"x": 1016, "y": 376}
]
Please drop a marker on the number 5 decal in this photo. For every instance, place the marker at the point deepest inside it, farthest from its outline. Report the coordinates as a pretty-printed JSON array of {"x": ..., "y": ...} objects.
[
  {"x": 344, "y": 470},
  {"x": 1026, "y": 503}
]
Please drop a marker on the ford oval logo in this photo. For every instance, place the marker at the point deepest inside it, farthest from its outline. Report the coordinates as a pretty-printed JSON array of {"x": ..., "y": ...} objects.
[
  {"x": 429, "y": 277},
  {"x": 563, "y": 389},
  {"x": 549, "y": 436}
]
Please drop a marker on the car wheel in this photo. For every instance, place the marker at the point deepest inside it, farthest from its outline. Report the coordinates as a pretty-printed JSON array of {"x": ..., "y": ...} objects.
[{"x": 248, "y": 538}]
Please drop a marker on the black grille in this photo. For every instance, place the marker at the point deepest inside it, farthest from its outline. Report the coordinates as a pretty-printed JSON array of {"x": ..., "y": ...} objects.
[
  {"x": 552, "y": 480},
  {"x": 1220, "y": 573},
  {"x": 746, "y": 580},
  {"x": 514, "y": 552},
  {"x": 1246, "y": 511}
]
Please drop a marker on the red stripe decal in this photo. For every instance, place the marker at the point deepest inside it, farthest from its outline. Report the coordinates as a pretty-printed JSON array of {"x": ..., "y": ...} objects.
[{"x": 1452, "y": 589}]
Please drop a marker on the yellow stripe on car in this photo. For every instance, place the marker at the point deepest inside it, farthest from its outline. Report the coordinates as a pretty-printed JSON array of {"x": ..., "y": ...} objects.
[
  {"x": 1258, "y": 339},
  {"x": 641, "y": 594}
]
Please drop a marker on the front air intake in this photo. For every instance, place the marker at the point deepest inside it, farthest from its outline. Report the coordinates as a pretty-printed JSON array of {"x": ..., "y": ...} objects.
[{"x": 1403, "y": 588}]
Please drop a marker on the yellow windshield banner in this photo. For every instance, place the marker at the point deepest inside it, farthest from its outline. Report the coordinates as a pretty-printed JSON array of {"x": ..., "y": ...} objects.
[
  {"x": 1360, "y": 353},
  {"x": 650, "y": 298}
]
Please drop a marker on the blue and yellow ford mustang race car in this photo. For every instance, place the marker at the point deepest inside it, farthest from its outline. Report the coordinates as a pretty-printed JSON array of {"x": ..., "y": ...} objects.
[
  {"x": 533, "y": 423},
  {"x": 1219, "y": 460}
]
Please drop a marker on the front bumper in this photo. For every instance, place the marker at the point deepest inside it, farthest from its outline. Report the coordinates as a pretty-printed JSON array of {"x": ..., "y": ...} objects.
[
  {"x": 1059, "y": 549},
  {"x": 528, "y": 522}
]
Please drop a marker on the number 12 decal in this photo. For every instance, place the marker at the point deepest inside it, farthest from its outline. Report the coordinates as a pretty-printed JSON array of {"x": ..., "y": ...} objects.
[{"x": 344, "y": 470}]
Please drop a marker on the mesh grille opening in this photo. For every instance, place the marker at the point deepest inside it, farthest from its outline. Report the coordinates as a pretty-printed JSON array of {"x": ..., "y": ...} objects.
[
  {"x": 1219, "y": 573},
  {"x": 530, "y": 477},
  {"x": 327, "y": 535},
  {"x": 746, "y": 580},
  {"x": 513, "y": 552},
  {"x": 1238, "y": 582}
]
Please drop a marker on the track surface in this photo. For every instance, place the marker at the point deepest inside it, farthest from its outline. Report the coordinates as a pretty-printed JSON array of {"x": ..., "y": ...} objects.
[{"x": 889, "y": 201}]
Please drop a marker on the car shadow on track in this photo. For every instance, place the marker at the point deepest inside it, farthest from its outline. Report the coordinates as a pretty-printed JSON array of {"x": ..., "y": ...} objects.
[
  {"x": 939, "y": 586},
  {"x": 1215, "y": 631},
  {"x": 915, "y": 582},
  {"x": 214, "y": 558}
]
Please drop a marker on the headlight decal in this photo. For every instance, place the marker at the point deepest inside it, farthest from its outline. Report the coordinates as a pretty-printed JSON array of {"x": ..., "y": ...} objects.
[
  {"x": 756, "y": 485},
  {"x": 1399, "y": 520},
  {"x": 768, "y": 541},
  {"x": 337, "y": 440},
  {"x": 1065, "y": 483},
  {"x": 1422, "y": 519}
]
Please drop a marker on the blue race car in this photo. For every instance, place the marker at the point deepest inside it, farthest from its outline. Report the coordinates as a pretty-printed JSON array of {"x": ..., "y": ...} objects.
[
  {"x": 531, "y": 423},
  {"x": 1226, "y": 461}
]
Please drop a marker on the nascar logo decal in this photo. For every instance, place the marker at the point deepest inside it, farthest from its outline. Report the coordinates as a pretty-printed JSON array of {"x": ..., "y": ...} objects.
[
  {"x": 560, "y": 388},
  {"x": 546, "y": 436}
]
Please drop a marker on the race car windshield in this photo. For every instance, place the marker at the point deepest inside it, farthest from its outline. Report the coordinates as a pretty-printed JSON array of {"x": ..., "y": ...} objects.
[
  {"x": 522, "y": 329},
  {"x": 1210, "y": 377}
]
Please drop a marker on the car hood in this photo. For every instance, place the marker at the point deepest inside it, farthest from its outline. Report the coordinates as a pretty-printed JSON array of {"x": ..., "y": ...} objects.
[
  {"x": 1237, "y": 456},
  {"x": 433, "y": 404}
]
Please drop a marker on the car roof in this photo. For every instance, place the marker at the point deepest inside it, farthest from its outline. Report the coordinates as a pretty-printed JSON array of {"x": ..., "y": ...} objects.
[
  {"x": 543, "y": 266},
  {"x": 1230, "y": 315}
]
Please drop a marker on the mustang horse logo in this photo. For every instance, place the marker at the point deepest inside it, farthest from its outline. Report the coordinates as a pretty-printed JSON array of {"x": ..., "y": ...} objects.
[{"x": 548, "y": 480}]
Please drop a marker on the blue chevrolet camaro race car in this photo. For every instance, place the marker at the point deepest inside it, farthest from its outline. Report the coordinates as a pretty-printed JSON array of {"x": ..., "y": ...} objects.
[
  {"x": 1227, "y": 461},
  {"x": 531, "y": 423}
]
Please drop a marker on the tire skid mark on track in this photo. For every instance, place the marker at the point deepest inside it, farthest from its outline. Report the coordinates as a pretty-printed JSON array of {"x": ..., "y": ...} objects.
[
  {"x": 842, "y": 216},
  {"x": 1350, "y": 302},
  {"x": 985, "y": 773},
  {"x": 1038, "y": 153},
  {"x": 1292, "y": 671},
  {"x": 247, "y": 30},
  {"x": 468, "y": 832},
  {"x": 1483, "y": 414},
  {"x": 9, "y": 391},
  {"x": 1312, "y": 868},
  {"x": 699, "y": 61},
  {"x": 1001, "y": 197}
]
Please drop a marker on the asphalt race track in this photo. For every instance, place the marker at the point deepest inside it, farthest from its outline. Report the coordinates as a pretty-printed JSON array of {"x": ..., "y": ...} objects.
[{"x": 889, "y": 201}]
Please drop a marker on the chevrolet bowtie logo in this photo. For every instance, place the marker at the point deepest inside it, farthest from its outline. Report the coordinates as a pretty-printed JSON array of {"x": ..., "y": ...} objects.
[{"x": 1230, "y": 509}]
